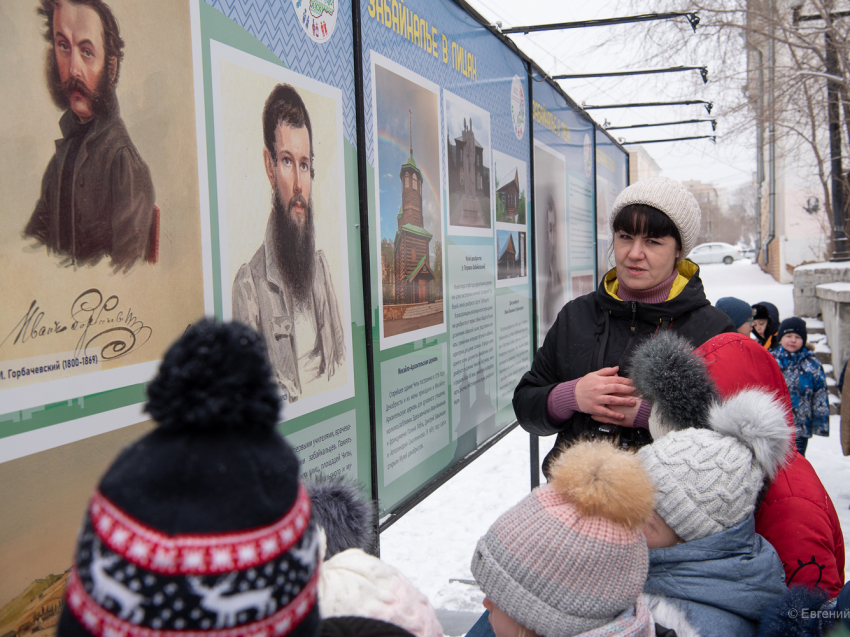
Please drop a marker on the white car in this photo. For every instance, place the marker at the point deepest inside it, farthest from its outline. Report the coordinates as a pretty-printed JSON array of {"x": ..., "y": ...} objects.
[{"x": 715, "y": 252}]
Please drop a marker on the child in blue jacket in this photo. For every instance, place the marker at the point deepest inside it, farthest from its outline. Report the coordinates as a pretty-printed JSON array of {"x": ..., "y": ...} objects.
[{"x": 806, "y": 382}]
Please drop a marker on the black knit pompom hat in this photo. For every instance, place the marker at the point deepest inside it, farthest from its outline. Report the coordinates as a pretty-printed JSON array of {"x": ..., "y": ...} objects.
[{"x": 202, "y": 524}]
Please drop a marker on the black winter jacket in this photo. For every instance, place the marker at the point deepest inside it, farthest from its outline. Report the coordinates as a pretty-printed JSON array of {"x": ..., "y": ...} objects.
[{"x": 598, "y": 330}]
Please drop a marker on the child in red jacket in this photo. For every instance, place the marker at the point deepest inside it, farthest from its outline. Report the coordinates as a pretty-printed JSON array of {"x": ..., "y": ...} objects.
[{"x": 796, "y": 514}]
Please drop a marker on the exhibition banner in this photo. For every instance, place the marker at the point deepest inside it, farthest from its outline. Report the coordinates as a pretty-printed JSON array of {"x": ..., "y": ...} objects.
[
  {"x": 563, "y": 201},
  {"x": 447, "y": 147},
  {"x": 278, "y": 100},
  {"x": 219, "y": 174},
  {"x": 612, "y": 177},
  {"x": 181, "y": 194},
  {"x": 103, "y": 249}
]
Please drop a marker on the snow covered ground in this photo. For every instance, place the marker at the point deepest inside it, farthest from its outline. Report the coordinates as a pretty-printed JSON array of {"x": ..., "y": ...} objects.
[{"x": 433, "y": 544}]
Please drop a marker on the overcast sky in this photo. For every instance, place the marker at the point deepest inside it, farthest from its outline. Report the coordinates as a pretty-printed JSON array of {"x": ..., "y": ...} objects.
[{"x": 728, "y": 164}]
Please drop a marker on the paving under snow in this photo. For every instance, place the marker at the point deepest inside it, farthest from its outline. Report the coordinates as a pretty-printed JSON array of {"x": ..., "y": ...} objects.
[{"x": 433, "y": 544}]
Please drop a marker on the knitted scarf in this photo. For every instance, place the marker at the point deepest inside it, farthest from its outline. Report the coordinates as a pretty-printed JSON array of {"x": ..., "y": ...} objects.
[{"x": 635, "y": 622}]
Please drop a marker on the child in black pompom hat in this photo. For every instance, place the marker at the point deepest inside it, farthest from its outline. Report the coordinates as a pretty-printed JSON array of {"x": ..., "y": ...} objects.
[
  {"x": 202, "y": 524},
  {"x": 806, "y": 382}
]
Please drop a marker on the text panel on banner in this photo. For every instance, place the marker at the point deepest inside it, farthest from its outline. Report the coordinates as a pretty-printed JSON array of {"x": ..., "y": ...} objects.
[
  {"x": 611, "y": 179},
  {"x": 447, "y": 147},
  {"x": 564, "y": 203}
]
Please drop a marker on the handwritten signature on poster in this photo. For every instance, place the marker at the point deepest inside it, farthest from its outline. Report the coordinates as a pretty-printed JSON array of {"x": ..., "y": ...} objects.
[{"x": 101, "y": 322}]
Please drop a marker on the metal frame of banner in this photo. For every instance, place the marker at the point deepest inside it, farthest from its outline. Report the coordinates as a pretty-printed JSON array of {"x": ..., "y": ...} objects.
[
  {"x": 713, "y": 139},
  {"x": 692, "y": 16},
  {"x": 703, "y": 71},
  {"x": 684, "y": 121},
  {"x": 708, "y": 105},
  {"x": 365, "y": 253}
]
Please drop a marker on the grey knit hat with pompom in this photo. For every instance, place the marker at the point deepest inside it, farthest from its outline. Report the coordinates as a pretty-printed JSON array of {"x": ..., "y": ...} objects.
[
  {"x": 570, "y": 557},
  {"x": 708, "y": 480}
]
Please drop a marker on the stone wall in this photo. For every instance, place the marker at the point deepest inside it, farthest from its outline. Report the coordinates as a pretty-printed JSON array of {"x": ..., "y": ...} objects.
[
  {"x": 834, "y": 299},
  {"x": 806, "y": 280}
]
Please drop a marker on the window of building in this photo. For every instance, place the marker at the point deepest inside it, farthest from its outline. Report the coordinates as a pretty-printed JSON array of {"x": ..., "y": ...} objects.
[{"x": 407, "y": 180}]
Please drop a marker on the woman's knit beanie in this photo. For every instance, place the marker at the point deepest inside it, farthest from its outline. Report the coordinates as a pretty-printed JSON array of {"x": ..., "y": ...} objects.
[
  {"x": 570, "y": 557},
  {"x": 671, "y": 198}
]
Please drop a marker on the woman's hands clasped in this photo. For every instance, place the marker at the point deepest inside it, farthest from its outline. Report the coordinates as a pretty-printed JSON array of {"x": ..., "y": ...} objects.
[{"x": 608, "y": 397}]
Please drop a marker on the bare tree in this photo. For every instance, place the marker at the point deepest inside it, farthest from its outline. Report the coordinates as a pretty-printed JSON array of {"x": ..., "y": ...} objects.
[
  {"x": 739, "y": 221},
  {"x": 782, "y": 88}
]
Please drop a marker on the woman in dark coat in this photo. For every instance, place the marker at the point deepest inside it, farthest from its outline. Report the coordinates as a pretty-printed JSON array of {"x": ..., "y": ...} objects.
[{"x": 578, "y": 385}]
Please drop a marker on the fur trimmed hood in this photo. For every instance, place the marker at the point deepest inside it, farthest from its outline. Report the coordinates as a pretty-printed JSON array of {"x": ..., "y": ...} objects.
[
  {"x": 723, "y": 582},
  {"x": 667, "y": 373},
  {"x": 344, "y": 515},
  {"x": 667, "y": 613}
]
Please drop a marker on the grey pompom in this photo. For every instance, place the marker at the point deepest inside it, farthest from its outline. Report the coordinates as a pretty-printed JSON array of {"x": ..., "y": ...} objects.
[
  {"x": 667, "y": 373},
  {"x": 759, "y": 420}
]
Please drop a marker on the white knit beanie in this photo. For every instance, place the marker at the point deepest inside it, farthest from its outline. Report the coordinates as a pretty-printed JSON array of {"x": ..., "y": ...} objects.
[
  {"x": 353, "y": 582},
  {"x": 671, "y": 198}
]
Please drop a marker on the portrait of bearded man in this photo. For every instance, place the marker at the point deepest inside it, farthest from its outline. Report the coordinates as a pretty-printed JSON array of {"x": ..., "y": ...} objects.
[
  {"x": 97, "y": 196},
  {"x": 285, "y": 292}
]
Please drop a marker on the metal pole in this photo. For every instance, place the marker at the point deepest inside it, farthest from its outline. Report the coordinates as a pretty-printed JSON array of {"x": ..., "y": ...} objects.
[
  {"x": 692, "y": 17},
  {"x": 713, "y": 139},
  {"x": 759, "y": 152},
  {"x": 771, "y": 141},
  {"x": 673, "y": 69},
  {"x": 684, "y": 121},
  {"x": 840, "y": 249},
  {"x": 708, "y": 105},
  {"x": 363, "y": 201},
  {"x": 533, "y": 439}
]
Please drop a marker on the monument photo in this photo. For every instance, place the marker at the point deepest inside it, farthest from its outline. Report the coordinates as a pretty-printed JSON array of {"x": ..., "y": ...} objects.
[
  {"x": 509, "y": 174},
  {"x": 409, "y": 210},
  {"x": 468, "y": 167}
]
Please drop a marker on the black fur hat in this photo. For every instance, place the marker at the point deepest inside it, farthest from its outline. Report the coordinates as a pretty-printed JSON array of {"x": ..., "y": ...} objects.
[
  {"x": 345, "y": 515},
  {"x": 201, "y": 525},
  {"x": 665, "y": 371}
]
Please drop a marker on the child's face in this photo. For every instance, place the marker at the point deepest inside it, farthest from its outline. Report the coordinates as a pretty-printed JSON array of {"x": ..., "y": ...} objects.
[
  {"x": 791, "y": 342},
  {"x": 759, "y": 325},
  {"x": 502, "y": 624},
  {"x": 658, "y": 533}
]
